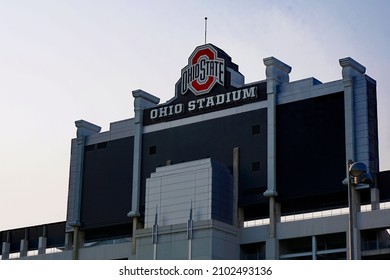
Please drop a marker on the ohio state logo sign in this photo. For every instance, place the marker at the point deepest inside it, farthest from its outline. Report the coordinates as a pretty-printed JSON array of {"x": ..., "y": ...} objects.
[{"x": 204, "y": 70}]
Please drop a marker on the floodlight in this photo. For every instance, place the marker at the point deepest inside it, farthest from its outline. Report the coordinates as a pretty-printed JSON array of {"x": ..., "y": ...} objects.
[
  {"x": 366, "y": 179},
  {"x": 357, "y": 169}
]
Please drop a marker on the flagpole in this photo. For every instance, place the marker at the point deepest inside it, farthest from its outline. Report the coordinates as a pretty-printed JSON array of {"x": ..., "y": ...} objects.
[{"x": 205, "y": 30}]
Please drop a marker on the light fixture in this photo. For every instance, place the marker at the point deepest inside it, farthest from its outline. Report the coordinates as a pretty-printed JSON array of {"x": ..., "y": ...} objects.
[
  {"x": 366, "y": 178},
  {"x": 358, "y": 168}
]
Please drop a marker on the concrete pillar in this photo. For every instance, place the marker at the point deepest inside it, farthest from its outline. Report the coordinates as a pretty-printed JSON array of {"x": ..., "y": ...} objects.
[
  {"x": 23, "y": 247},
  {"x": 314, "y": 247},
  {"x": 142, "y": 100},
  {"x": 277, "y": 73},
  {"x": 6, "y": 247},
  {"x": 272, "y": 243},
  {"x": 357, "y": 119},
  {"x": 84, "y": 129},
  {"x": 351, "y": 69},
  {"x": 375, "y": 202},
  {"x": 78, "y": 242},
  {"x": 42, "y": 242},
  {"x": 24, "y": 244},
  {"x": 134, "y": 241},
  {"x": 356, "y": 230},
  {"x": 68, "y": 240}
]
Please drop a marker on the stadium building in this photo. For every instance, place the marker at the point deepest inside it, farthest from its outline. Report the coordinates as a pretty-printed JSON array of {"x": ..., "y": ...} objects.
[{"x": 227, "y": 170}]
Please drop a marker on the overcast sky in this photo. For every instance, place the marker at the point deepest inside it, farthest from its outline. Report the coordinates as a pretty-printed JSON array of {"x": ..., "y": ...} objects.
[{"x": 61, "y": 61}]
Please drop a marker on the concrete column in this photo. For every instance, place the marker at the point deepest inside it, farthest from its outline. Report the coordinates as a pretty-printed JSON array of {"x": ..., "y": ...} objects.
[
  {"x": 314, "y": 247},
  {"x": 142, "y": 100},
  {"x": 6, "y": 247},
  {"x": 23, "y": 247},
  {"x": 352, "y": 71},
  {"x": 78, "y": 242},
  {"x": 375, "y": 202},
  {"x": 68, "y": 240},
  {"x": 24, "y": 244},
  {"x": 133, "y": 243},
  {"x": 357, "y": 122},
  {"x": 356, "y": 229},
  {"x": 272, "y": 243},
  {"x": 75, "y": 251},
  {"x": 42, "y": 242},
  {"x": 277, "y": 73},
  {"x": 84, "y": 129}
]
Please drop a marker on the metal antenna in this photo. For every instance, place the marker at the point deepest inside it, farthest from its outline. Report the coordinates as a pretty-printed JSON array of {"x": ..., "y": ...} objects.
[{"x": 205, "y": 30}]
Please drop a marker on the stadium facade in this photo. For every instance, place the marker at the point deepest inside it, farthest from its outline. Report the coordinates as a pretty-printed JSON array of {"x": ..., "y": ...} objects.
[{"x": 226, "y": 170}]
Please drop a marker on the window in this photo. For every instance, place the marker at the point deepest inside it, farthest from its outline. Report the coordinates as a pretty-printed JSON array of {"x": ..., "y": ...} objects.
[
  {"x": 89, "y": 148},
  {"x": 152, "y": 150},
  {"x": 102, "y": 145},
  {"x": 255, "y": 129},
  {"x": 256, "y": 166}
]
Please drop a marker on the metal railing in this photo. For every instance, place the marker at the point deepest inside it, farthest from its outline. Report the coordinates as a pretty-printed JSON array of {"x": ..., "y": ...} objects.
[{"x": 314, "y": 215}]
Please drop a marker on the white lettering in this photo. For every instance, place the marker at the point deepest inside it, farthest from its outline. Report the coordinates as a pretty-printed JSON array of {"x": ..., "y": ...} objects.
[
  {"x": 200, "y": 103},
  {"x": 179, "y": 109},
  {"x": 228, "y": 97},
  {"x": 203, "y": 103},
  {"x": 220, "y": 99},
  {"x": 249, "y": 93},
  {"x": 184, "y": 82},
  {"x": 170, "y": 110},
  {"x": 221, "y": 74},
  {"x": 163, "y": 112},
  {"x": 236, "y": 95},
  {"x": 210, "y": 101},
  {"x": 202, "y": 74},
  {"x": 191, "y": 105},
  {"x": 153, "y": 114}
]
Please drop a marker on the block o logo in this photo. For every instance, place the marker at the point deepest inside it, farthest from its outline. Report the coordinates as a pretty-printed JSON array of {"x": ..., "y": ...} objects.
[{"x": 203, "y": 71}]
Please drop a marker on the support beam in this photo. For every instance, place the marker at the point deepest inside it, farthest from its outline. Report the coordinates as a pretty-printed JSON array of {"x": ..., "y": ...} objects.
[
  {"x": 277, "y": 73},
  {"x": 6, "y": 247},
  {"x": 42, "y": 242},
  {"x": 142, "y": 100},
  {"x": 314, "y": 247}
]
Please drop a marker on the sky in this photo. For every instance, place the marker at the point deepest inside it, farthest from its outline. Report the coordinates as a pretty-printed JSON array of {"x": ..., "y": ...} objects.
[{"x": 62, "y": 61}]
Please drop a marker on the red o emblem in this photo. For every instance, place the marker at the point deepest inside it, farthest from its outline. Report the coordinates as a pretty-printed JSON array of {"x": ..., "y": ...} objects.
[
  {"x": 203, "y": 71},
  {"x": 210, "y": 79}
]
